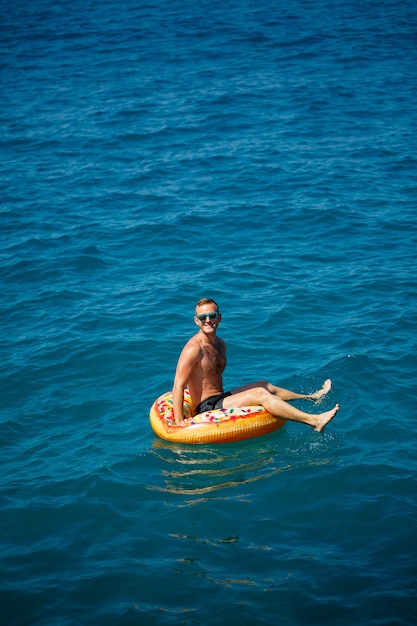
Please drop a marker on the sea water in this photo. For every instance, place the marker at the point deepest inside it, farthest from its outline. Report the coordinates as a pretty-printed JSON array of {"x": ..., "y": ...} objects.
[{"x": 259, "y": 153}]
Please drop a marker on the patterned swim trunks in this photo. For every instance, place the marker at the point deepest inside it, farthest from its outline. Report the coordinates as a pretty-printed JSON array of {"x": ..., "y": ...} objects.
[{"x": 212, "y": 403}]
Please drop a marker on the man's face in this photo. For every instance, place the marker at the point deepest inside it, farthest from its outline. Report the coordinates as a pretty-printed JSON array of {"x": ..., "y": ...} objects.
[{"x": 207, "y": 317}]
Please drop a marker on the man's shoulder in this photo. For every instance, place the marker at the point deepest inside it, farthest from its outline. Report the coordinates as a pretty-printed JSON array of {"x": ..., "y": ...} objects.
[
  {"x": 221, "y": 342},
  {"x": 193, "y": 345}
]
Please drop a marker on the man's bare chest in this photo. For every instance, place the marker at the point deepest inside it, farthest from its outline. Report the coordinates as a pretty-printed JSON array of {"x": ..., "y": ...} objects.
[{"x": 213, "y": 360}]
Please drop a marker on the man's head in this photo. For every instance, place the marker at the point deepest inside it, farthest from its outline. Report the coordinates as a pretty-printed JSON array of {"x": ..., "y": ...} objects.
[{"x": 207, "y": 313}]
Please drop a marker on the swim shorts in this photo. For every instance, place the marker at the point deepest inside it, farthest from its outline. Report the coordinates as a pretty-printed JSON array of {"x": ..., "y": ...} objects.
[{"x": 212, "y": 403}]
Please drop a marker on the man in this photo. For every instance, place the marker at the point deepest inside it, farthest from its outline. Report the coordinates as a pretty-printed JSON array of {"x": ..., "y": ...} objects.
[{"x": 200, "y": 368}]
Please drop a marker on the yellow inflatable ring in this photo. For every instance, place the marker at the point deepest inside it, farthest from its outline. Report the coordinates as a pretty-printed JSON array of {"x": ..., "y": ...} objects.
[{"x": 220, "y": 426}]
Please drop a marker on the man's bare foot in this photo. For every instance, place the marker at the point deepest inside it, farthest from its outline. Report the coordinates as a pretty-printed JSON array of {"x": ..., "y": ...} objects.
[
  {"x": 324, "y": 418},
  {"x": 320, "y": 393}
]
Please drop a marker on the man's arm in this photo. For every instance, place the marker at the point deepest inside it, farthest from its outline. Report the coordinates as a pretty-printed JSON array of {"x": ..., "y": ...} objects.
[{"x": 186, "y": 363}]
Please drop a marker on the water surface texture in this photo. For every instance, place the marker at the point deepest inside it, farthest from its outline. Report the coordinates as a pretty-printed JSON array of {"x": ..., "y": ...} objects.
[{"x": 261, "y": 153}]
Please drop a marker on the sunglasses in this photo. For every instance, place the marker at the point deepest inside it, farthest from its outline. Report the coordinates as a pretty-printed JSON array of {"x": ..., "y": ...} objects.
[{"x": 211, "y": 316}]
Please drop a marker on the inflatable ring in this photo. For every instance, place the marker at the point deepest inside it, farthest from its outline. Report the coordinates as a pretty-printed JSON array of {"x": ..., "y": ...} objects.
[{"x": 219, "y": 426}]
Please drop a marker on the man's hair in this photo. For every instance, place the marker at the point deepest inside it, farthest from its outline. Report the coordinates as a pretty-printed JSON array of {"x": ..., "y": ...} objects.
[{"x": 207, "y": 301}]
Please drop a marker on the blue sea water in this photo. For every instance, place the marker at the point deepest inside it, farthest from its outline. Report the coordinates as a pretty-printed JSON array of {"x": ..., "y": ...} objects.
[{"x": 261, "y": 153}]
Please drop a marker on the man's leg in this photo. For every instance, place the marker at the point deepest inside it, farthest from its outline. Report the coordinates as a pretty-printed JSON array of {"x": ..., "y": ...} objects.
[
  {"x": 276, "y": 406},
  {"x": 286, "y": 394}
]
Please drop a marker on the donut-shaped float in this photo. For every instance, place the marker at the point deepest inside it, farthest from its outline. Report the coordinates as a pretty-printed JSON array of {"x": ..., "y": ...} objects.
[{"x": 219, "y": 426}]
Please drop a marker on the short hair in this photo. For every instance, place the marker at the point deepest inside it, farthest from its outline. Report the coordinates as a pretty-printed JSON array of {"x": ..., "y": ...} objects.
[{"x": 207, "y": 301}]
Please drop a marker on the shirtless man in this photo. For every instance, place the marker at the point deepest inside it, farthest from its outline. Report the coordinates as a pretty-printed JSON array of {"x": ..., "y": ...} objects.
[{"x": 200, "y": 368}]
